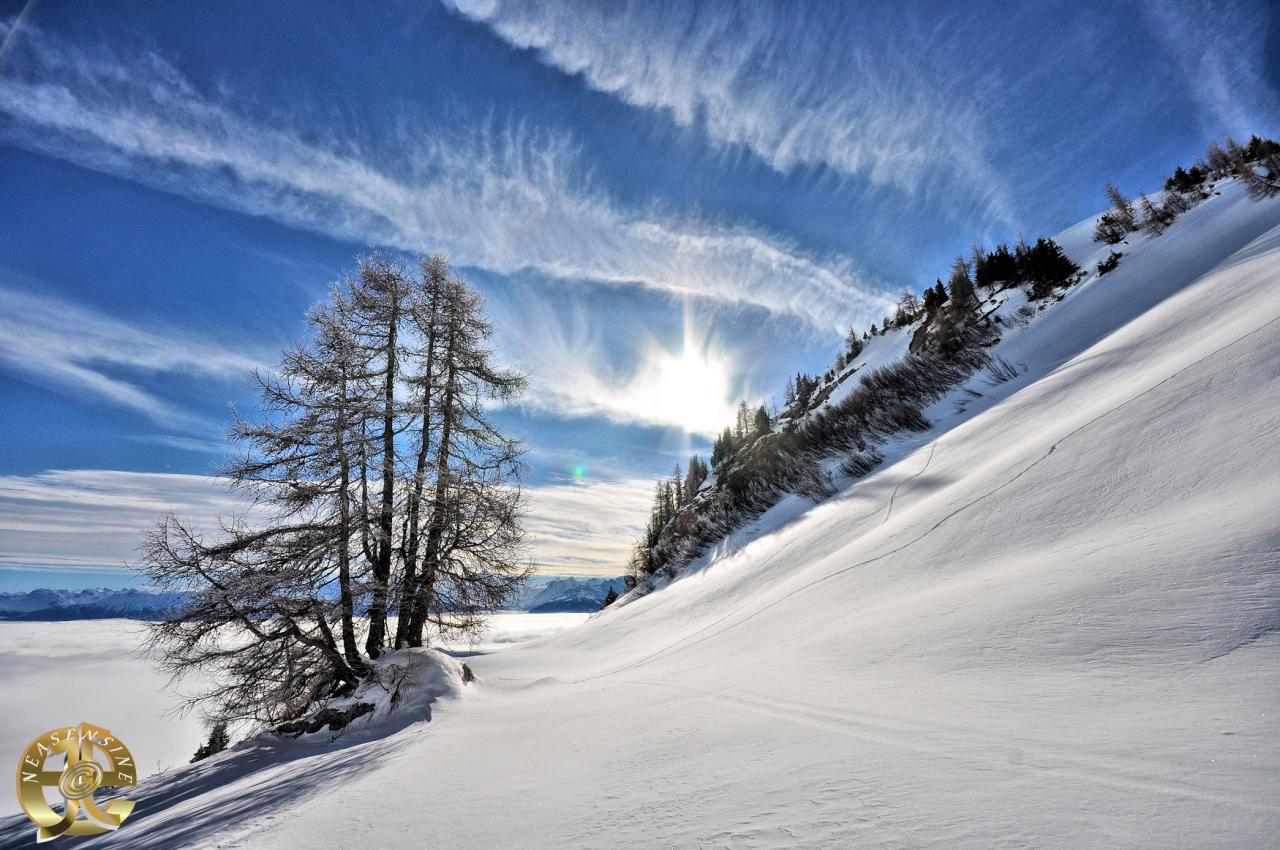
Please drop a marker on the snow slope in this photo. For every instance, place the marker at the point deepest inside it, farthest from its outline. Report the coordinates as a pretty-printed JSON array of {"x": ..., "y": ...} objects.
[{"x": 1054, "y": 620}]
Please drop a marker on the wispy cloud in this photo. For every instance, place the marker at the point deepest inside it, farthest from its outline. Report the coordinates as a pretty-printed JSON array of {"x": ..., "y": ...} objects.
[
  {"x": 64, "y": 520},
  {"x": 91, "y": 519},
  {"x": 50, "y": 341},
  {"x": 187, "y": 444},
  {"x": 1220, "y": 47},
  {"x": 587, "y": 528},
  {"x": 502, "y": 198},
  {"x": 828, "y": 87}
]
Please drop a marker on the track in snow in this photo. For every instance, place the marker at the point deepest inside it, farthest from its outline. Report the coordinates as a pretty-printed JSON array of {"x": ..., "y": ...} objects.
[{"x": 706, "y": 632}]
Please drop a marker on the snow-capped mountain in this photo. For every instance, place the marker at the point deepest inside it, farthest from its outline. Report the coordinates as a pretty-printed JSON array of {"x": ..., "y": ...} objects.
[
  {"x": 565, "y": 594},
  {"x": 543, "y": 595},
  {"x": 94, "y": 604}
]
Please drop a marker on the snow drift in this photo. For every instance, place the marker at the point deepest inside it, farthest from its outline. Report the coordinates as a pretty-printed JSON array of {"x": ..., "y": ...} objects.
[{"x": 1052, "y": 620}]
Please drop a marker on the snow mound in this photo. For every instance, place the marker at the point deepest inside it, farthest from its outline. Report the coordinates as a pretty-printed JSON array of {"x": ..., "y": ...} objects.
[
  {"x": 259, "y": 781},
  {"x": 404, "y": 686}
]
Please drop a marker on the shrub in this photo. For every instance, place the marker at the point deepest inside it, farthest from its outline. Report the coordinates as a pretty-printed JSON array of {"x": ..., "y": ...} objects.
[
  {"x": 999, "y": 371},
  {"x": 1112, "y": 260}
]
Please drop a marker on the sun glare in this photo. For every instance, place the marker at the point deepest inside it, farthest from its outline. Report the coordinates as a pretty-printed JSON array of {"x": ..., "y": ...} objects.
[{"x": 692, "y": 391}]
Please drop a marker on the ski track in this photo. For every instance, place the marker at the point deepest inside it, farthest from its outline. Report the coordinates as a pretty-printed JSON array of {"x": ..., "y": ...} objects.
[
  {"x": 888, "y": 513},
  {"x": 689, "y": 640},
  {"x": 977, "y": 748}
]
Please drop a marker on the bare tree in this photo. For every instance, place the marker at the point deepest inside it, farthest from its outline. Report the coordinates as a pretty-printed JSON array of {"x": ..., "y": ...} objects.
[
  {"x": 1258, "y": 184},
  {"x": 1220, "y": 162},
  {"x": 469, "y": 555},
  {"x": 339, "y": 369},
  {"x": 908, "y": 303},
  {"x": 374, "y": 468},
  {"x": 1121, "y": 209},
  {"x": 426, "y": 313},
  {"x": 256, "y": 617},
  {"x": 1235, "y": 154},
  {"x": 1154, "y": 218},
  {"x": 378, "y": 296},
  {"x": 260, "y": 607}
]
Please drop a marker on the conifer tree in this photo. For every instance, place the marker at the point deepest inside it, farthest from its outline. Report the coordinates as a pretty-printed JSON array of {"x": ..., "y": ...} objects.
[
  {"x": 1046, "y": 266},
  {"x": 997, "y": 267},
  {"x": 940, "y": 293},
  {"x": 218, "y": 741},
  {"x": 761, "y": 421},
  {"x": 742, "y": 426},
  {"x": 804, "y": 388},
  {"x": 1181, "y": 181},
  {"x": 963, "y": 298},
  {"x": 696, "y": 474},
  {"x": 1259, "y": 148},
  {"x": 930, "y": 301}
]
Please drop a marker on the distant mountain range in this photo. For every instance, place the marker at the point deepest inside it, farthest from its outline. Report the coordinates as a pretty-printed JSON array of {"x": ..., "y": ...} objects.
[
  {"x": 559, "y": 594},
  {"x": 138, "y": 603},
  {"x": 543, "y": 595}
]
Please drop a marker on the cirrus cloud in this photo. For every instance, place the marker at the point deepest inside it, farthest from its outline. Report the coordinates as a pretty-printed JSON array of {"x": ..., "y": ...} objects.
[
  {"x": 502, "y": 198},
  {"x": 91, "y": 520},
  {"x": 829, "y": 87}
]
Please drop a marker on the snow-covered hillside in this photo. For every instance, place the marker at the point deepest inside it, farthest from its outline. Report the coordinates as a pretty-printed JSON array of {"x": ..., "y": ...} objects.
[{"x": 1053, "y": 620}]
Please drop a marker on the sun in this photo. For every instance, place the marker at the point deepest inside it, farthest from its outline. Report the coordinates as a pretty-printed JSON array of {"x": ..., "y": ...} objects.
[{"x": 692, "y": 391}]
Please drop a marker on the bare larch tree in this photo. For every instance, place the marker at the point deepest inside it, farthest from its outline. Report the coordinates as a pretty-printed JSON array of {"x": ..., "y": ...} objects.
[{"x": 376, "y": 483}]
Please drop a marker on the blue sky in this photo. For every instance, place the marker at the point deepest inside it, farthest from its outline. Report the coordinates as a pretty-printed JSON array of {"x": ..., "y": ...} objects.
[{"x": 668, "y": 207}]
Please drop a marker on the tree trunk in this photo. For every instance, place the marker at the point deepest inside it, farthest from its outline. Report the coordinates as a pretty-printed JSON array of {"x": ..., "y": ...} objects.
[
  {"x": 435, "y": 529},
  {"x": 349, "y": 648},
  {"x": 382, "y": 563},
  {"x": 410, "y": 552}
]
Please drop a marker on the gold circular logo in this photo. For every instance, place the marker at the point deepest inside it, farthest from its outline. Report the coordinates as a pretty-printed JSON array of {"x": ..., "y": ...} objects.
[{"x": 74, "y": 763}]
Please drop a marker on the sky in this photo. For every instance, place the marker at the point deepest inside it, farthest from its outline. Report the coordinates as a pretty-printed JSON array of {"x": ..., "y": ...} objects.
[{"x": 668, "y": 207}]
